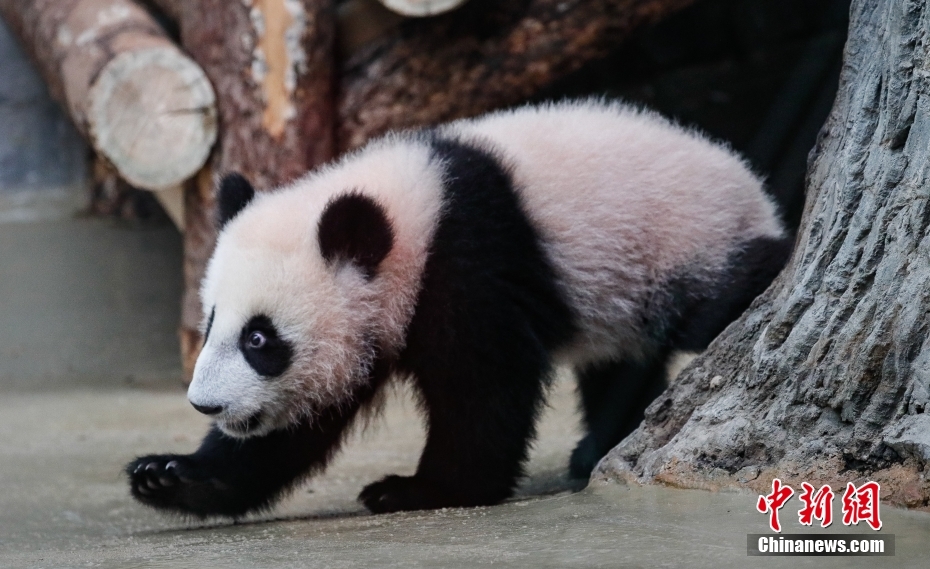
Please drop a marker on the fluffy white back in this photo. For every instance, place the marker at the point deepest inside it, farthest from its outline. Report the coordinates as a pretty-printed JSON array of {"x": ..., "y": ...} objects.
[{"x": 624, "y": 198}]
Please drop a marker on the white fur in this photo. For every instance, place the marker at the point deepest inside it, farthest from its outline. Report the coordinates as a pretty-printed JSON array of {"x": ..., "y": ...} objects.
[
  {"x": 267, "y": 261},
  {"x": 622, "y": 198},
  {"x": 677, "y": 362}
]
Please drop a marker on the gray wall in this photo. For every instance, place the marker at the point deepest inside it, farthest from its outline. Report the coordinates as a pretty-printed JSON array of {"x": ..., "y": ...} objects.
[
  {"x": 42, "y": 157},
  {"x": 83, "y": 301}
]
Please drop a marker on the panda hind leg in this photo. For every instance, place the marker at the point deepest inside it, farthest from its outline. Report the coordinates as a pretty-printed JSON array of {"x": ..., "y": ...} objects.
[{"x": 613, "y": 396}]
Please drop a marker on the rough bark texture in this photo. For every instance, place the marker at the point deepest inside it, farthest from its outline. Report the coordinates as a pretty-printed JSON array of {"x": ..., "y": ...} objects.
[
  {"x": 272, "y": 63},
  {"x": 826, "y": 378},
  {"x": 138, "y": 99},
  {"x": 484, "y": 55}
]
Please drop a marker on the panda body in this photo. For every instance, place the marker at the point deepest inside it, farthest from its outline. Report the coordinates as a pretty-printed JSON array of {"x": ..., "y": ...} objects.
[{"x": 470, "y": 259}]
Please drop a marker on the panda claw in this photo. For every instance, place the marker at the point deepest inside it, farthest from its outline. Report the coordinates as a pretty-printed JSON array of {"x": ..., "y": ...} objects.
[{"x": 143, "y": 490}]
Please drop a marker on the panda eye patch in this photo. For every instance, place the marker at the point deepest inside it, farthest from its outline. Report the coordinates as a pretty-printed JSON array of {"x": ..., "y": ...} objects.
[{"x": 264, "y": 349}]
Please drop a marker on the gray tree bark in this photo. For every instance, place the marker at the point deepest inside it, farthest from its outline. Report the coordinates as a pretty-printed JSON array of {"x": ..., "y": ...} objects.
[{"x": 826, "y": 378}]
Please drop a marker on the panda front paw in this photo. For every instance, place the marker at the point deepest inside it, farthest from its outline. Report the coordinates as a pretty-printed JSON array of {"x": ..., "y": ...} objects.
[{"x": 169, "y": 482}]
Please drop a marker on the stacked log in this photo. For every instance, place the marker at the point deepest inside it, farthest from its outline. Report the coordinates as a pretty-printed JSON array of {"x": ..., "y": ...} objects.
[{"x": 139, "y": 100}]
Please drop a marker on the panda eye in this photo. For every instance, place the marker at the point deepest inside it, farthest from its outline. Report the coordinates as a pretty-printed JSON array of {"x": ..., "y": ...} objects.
[{"x": 257, "y": 340}]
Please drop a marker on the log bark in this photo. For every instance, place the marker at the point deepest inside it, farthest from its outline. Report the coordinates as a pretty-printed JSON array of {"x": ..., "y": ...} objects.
[
  {"x": 359, "y": 22},
  {"x": 826, "y": 378},
  {"x": 272, "y": 62},
  {"x": 483, "y": 56},
  {"x": 138, "y": 99}
]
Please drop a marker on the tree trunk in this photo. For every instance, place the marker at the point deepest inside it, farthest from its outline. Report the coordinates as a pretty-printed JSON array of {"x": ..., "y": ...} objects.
[
  {"x": 272, "y": 63},
  {"x": 826, "y": 378},
  {"x": 135, "y": 96},
  {"x": 480, "y": 57}
]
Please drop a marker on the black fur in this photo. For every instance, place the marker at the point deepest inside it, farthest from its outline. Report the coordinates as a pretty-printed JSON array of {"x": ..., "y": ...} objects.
[
  {"x": 750, "y": 271},
  {"x": 232, "y": 477},
  {"x": 272, "y": 359},
  {"x": 206, "y": 333},
  {"x": 614, "y": 397},
  {"x": 234, "y": 193},
  {"x": 355, "y": 228},
  {"x": 478, "y": 347},
  {"x": 685, "y": 315}
]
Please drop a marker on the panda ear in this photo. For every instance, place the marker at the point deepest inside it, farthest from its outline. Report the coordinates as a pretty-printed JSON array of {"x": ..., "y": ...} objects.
[
  {"x": 233, "y": 194},
  {"x": 355, "y": 228}
]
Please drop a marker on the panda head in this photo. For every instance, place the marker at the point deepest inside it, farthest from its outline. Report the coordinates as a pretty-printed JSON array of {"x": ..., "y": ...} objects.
[{"x": 291, "y": 301}]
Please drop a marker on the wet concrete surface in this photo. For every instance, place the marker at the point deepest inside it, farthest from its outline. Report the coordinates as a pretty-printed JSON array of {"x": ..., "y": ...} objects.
[
  {"x": 66, "y": 432},
  {"x": 65, "y": 503}
]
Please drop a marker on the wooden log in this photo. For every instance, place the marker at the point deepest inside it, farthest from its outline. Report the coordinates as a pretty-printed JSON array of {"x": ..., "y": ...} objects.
[
  {"x": 420, "y": 8},
  {"x": 138, "y": 99},
  {"x": 483, "y": 56},
  {"x": 359, "y": 22},
  {"x": 272, "y": 62}
]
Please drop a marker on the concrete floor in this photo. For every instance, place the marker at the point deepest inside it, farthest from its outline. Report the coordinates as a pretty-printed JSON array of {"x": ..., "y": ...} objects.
[{"x": 65, "y": 437}]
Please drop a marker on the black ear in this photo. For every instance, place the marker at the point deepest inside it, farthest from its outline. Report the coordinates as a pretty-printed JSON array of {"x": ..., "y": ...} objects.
[
  {"x": 356, "y": 229},
  {"x": 234, "y": 193}
]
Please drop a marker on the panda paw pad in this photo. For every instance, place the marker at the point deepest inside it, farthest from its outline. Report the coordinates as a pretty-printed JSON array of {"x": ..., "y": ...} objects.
[{"x": 156, "y": 480}]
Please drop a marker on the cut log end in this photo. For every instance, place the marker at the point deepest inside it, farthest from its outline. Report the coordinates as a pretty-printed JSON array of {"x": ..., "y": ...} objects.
[
  {"x": 152, "y": 114},
  {"x": 421, "y": 8}
]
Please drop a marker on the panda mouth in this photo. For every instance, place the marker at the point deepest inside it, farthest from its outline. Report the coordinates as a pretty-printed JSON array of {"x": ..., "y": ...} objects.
[{"x": 246, "y": 426}]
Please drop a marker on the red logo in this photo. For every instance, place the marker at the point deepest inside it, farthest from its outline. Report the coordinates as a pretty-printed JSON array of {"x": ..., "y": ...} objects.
[
  {"x": 774, "y": 502},
  {"x": 817, "y": 506},
  {"x": 859, "y": 504}
]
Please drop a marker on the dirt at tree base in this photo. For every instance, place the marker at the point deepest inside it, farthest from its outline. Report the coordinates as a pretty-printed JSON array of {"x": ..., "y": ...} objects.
[{"x": 904, "y": 485}]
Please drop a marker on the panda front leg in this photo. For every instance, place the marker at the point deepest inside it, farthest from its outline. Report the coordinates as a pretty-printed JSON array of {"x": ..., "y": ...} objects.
[
  {"x": 232, "y": 477},
  {"x": 481, "y": 415}
]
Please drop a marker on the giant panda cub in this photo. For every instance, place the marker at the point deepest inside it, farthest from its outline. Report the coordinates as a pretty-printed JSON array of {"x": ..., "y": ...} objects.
[{"x": 468, "y": 259}]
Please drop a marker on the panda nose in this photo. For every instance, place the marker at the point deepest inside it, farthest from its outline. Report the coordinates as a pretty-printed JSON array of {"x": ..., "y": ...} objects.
[{"x": 208, "y": 410}]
